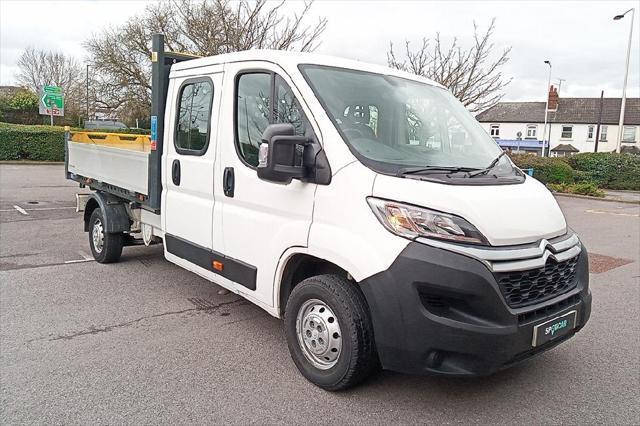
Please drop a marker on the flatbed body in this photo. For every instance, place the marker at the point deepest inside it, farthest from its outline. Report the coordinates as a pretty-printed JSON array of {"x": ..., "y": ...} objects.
[{"x": 119, "y": 160}]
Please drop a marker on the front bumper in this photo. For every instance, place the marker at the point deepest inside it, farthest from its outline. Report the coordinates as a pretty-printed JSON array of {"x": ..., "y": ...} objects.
[{"x": 435, "y": 311}]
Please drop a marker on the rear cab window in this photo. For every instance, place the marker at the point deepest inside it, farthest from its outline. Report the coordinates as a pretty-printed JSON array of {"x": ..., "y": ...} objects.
[{"x": 193, "y": 117}]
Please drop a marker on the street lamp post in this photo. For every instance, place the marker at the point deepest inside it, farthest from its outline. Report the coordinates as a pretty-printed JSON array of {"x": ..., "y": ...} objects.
[
  {"x": 546, "y": 108},
  {"x": 626, "y": 74},
  {"x": 87, "y": 91}
]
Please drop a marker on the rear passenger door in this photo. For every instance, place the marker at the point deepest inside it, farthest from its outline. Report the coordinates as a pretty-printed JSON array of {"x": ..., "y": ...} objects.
[{"x": 188, "y": 175}]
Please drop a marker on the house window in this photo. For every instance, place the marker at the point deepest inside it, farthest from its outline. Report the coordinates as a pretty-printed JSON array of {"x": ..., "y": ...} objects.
[
  {"x": 532, "y": 131},
  {"x": 567, "y": 132},
  {"x": 495, "y": 131},
  {"x": 629, "y": 134},
  {"x": 603, "y": 133},
  {"x": 590, "y": 132}
]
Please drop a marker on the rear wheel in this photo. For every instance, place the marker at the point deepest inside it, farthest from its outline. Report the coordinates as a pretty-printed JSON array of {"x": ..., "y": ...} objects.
[
  {"x": 106, "y": 247},
  {"x": 329, "y": 332}
]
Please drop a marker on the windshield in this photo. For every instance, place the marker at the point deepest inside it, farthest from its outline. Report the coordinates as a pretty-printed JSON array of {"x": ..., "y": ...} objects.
[{"x": 392, "y": 123}]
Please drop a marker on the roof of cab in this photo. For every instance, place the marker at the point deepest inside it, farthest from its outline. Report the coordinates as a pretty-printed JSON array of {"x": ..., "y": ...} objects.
[{"x": 290, "y": 60}]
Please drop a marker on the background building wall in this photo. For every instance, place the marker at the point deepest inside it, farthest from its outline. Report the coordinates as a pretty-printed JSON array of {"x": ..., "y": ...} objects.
[{"x": 578, "y": 138}]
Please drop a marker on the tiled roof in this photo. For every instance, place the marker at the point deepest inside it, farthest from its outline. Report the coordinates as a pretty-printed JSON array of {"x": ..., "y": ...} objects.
[
  {"x": 570, "y": 111},
  {"x": 566, "y": 147}
]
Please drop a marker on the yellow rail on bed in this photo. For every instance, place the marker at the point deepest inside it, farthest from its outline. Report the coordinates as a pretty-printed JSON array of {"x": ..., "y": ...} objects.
[{"x": 128, "y": 141}]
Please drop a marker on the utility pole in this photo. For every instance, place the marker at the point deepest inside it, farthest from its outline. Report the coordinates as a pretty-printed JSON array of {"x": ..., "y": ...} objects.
[
  {"x": 599, "y": 121},
  {"x": 87, "y": 91},
  {"x": 546, "y": 107},
  {"x": 626, "y": 74}
]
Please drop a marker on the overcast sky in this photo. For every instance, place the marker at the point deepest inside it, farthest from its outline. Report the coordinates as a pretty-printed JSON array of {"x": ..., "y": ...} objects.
[{"x": 586, "y": 47}]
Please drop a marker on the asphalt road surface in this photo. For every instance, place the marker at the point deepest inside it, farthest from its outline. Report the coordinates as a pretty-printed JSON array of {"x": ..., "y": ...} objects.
[{"x": 144, "y": 341}]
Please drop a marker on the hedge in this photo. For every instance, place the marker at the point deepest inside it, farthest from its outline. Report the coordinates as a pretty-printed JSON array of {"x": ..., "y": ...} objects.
[
  {"x": 584, "y": 188},
  {"x": 608, "y": 170},
  {"x": 602, "y": 169},
  {"x": 547, "y": 169},
  {"x": 37, "y": 143}
]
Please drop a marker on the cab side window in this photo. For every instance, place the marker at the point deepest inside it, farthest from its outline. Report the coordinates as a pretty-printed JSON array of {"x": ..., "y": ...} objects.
[
  {"x": 287, "y": 108},
  {"x": 255, "y": 111},
  {"x": 193, "y": 120}
]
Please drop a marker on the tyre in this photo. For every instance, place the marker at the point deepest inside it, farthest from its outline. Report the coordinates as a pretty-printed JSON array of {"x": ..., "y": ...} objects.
[
  {"x": 329, "y": 332},
  {"x": 105, "y": 247}
]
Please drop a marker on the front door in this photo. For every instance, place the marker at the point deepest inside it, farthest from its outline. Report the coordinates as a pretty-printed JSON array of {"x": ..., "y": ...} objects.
[
  {"x": 260, "y": 219},
  {"x": 188, "y": 172}
]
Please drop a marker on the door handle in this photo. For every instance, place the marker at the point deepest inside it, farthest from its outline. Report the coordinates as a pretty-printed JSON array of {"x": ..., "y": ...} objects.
[
  {"x": 228, "y": 181},
  {"x": 175, "y": 172}
]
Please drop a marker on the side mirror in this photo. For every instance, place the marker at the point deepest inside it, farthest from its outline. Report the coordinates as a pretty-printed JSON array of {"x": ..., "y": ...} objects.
[
  {"x": 280, "y": 154},
  {"x": 284, "y": 156}
]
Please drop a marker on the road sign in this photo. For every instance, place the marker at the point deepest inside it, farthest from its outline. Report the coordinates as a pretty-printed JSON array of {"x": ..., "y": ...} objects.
[{"x": 51, "y": 101}]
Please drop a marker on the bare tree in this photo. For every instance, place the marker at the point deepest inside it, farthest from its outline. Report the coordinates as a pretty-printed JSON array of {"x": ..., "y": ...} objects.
[
  {"x": 473, "y": 75},
  {"x": 121, "y": 55},
  {"x": 39, "y": 68}
]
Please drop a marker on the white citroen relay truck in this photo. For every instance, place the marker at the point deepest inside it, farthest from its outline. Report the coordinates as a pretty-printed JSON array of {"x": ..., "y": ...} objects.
[{"x": 363, "y": 205}]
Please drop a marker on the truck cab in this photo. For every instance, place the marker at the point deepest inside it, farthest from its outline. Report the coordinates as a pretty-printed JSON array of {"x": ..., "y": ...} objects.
[{"x": 363, "y": 205}]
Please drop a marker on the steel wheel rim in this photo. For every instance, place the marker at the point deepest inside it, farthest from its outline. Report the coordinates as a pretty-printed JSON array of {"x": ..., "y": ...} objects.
[
  {"x": 319, "y": 334},
  {"x": 97, "y": 235}
]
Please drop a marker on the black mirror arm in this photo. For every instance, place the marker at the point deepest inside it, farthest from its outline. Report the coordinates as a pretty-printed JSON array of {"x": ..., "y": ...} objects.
[{"x": 316, "y": 163}]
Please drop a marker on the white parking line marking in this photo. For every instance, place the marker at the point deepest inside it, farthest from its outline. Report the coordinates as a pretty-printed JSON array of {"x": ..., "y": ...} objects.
[
  {"x": 78, "y": 261},
  {"x": 51, "y": 208},
  {"x": 613, "y": 213},
  {"x": 84, "y": 255},
  {"x": 21, "y": 210}
]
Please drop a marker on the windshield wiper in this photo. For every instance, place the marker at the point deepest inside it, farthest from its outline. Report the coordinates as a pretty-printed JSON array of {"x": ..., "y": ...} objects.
[
  {"x": 488, "y": 169},
  {"x": 432, "y": 169}
]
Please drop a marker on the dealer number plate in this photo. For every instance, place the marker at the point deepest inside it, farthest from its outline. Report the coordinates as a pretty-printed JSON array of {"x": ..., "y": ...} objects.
[{"x": 554, "y": 328}]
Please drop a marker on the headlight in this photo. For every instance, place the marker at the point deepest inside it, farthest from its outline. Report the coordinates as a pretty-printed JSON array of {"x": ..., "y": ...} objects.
[{"x": 411, "y": 222}]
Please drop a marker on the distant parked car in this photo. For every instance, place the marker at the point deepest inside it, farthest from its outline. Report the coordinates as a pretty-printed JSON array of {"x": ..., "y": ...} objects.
[{"x": 104, "y": 124}]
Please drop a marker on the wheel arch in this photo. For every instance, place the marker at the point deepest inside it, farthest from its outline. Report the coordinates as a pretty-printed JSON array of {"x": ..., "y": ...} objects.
[
  {"x": 297, "y": 265},
  {"x": 116, "y": 218}
]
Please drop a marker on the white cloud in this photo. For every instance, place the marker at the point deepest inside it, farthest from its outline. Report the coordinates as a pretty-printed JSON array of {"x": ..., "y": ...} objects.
[
  {"x": 55, "y": 25},
  {"x": 586, "y": 47}
]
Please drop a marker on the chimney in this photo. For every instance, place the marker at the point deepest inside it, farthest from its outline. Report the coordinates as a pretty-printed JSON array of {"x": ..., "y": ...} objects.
[{"x": 553, "y": 98}]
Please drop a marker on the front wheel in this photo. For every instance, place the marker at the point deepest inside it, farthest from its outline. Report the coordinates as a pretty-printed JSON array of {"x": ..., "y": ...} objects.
[
  {"x": 329, "y": 332},
  {"x": 106, "y": 247}
]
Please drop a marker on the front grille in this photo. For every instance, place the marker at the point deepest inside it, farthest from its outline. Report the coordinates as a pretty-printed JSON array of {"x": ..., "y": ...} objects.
[
  {"x": 537, "y": 314},
  {"x": 524, "y": 288}
]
